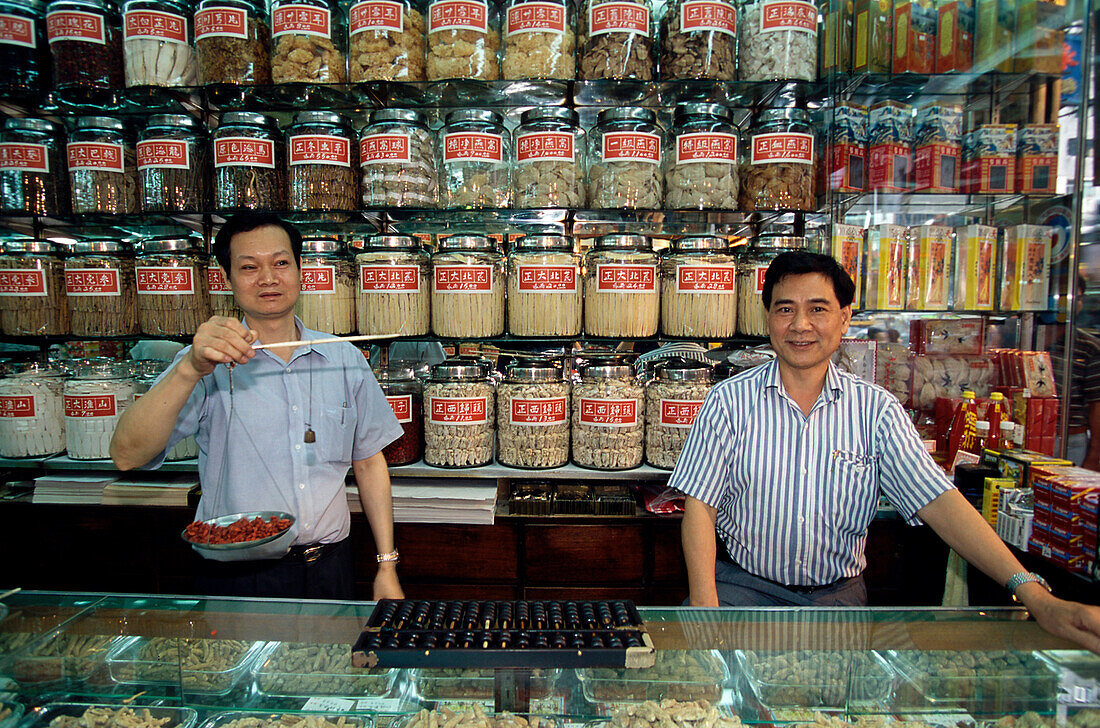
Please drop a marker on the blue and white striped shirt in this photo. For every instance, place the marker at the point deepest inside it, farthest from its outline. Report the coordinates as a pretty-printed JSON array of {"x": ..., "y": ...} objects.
[{"x": 795, "y": 494}]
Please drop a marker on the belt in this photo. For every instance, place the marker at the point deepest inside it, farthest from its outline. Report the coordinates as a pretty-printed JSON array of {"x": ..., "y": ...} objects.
[
  {"x": 308, "y": 553},
  {"x": 723, "y": 555}
]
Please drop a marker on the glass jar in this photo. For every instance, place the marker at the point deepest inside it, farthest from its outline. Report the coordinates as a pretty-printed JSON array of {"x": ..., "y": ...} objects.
[
  {"x": 173, "y": 163},
  {"x": 157, "y": 43},
  {"x": 778, "y": 40},
  {"x": 32, "y": 289},
  {"x": 323, "y": 161},
  {"x": 463, "y": 40},
  {"x": 23, "y": 48},
  {"x": 625, "y": 160},
  {"x": 539, "y": 41},
  {"x": 85, "y": 38},
  {"x": 102, "y": 167},
  {"x": 477, "y": 160},
  {"x": 32, "y": 168},
  {"x": 222, "y": 300},
  {"x": 468, "y": 282},
  {"x": 99, "y": 289},
  {"x": 32, "y": 413},
  {"x": 702, "y": 159},
  {"x": 398, "y": 159},
  {"x": 95, "y": 399},
  {"x": 699, "y": 289},
  {"x": 249, "y": 162},
  {"x": 308, "y": 42},
  {"x": 327, "y": 299},
  {"x": 544, "y": 292},
  {"x": 550, "y": 158},
  {"x": 617, "y": 40},
  {"x": 620, "y": 287},
  {"x": 672, "y": 402},
  {"x": 232, "y": 42},
  {"x": 779, "y": 163},
  {"x": 533, "y": 416},
  {"x": 752, "y": 264},
  {"x": 459, "y": 413},
  {"x": 386, "y": 41},
  {"x": 607, "y": 417},
  {"x": 699, "y": 40},
  {"x": 145, "y": 376},
  {"x": 170, "y": 275},
  {"x": 404, "y": 394},
  {"x": 394, "y": 280}
]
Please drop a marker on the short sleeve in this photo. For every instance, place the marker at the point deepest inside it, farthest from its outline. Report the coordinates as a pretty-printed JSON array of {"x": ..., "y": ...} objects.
[
  {"x": 187, "y": 423},
  {"x": 908, "y": 476},
  {"x": 376, "y": 426},
  {"x": 703, "y": 468}
]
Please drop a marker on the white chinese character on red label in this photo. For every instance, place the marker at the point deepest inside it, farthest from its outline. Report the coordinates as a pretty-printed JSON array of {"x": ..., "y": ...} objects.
[
  {"x": 163, "y": 280},
  {"x": 389, "y": 278},
  {"x": 708, "y": 15},
  {"x": 75, "y": 25},
  {"x": 16, "y": 30},
  {"x": 383, "y": 149},
  {"x": 706, "y": 279},
  {"x": 221, "y": 23},
  {"x": 614, "y": 277},
  {"x": 788, "y": 15},
  {"x": 618, "y": 17},
  {"x": 536, "y": 17},
  {"x": 760, "y": 272},
  {"x": 402, "y": 407},
  {"x": 538, "y": 412},
  {"x": 92, "y": 282},
  {"x": 215, "y": 281},
  {"x": 678, "y": 412},
  {"x": 633, "y": 145},
  {"x": 464, "y": 278},
  {"x": 22, "y": 282},
  {"x": 473, "y": 146},
  {"x": 244, "y": 152},
  {"x": 706, "y": 147},
  {"x": 320, "y": 149},
  {"x": 163, "y": 154},
  {"x": 318, "y": 279},
  {"x": 27, "y": 157},
  {"x": 789, "y": 147},
  {"x": 95, "y": 155},
  {"x": 155, "y": 24},
  {"x": 376, "y": 15},
  {"x": 20, "y": 406},
  {"x": 458, "y": 15},
  {"x": 300, "y": 20},
  {"x": 609, "y": 412},
  {"x": 551, "y": 278},
  {"x": 545, "y": 146},
  {"x": 458, "y": 410},
  {"x": 92, "y": 405}
]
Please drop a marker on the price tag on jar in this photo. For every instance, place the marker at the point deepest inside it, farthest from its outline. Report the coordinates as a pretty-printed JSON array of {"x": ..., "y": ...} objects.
[
  {"x": 383, "y": 149},
  {"x": 547, "y": 278},
  {"x": 708, "y": 15},
  {"x": 632, "y": 146},
  {"x": 21, "y": 406},
  {"x": 389, "y": 278},
  {"x": 244, "y": 152},
  {"x": 221, "y": 23},
  {"x": 706, "y": 279},
  {"x": 536, "y": 17},
  {"x": 545, "y": 146},
  {"x": 458, "y": 15},
  {"x": 613, "y": 277},
  {"x": 163, "y": 154},
  {"x": 215, "y": 282},
  {"x": 27, "y": 157},
  {"x": 680, "y": 413},
  {"x": 609, "y": 412},
  {"x": 163, "y": 280},
  {"x": 154, "y": 24},
  {"x": 21, "y": 282},
  {"x": 473, "y": 146},
  {"x": 320, "y": 149},
  {"x": 538, "y": 411},
  {"x": 706, "y": 147},
  {"x": 318, "y": 279},
  {"x": 92, "y": 282},
  {"x": 618, "y": 17},
  {"x": 379, "y": 705},
  {"x": 329, "y": 705},
  {"x": 16, "y": 30},
  {"x": 301, "y": 20},
  {"x": 96, "y": 155},
  {"x": 402, "y": 405},
  {"x": 92, "y": 405},
  {"x": 788, "y": 15},
  {"x": 458, "y": 410},
  {"x": 464, "y": 279},
  {"x": 75, "y": 25},
  {"x": 376, "y": 15},
  {"x": 783, "y": 148}
]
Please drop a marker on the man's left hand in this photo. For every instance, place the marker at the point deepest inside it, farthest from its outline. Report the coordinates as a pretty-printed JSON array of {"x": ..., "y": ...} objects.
[
  {"x": 386, "y": 585},
  {"x": 1079, "y": 623}
]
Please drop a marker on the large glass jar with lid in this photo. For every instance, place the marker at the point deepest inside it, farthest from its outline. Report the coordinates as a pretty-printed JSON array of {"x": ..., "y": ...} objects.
[
  {"x": 394, "y": 294},
  {"x": 95, "y": 398},
  {"x": 173, "y": 163},
  {"x": 308, "y": 42},
  {"x": 539, "y": 40},
  {"x": 625, "y": 160},
  {"x": 405, "y": 396},
  {"x": 699, "y": 288},
  {"x": 459, "y": 413},
  {"x": 779, "y": 162},
  {"x": 386, "y": 41},
  {"x": 170, "y": 276},
  {"x": 102, "y": 167},
  {"x": 397, "y": 152},
  {"x": 32, "y": 289},
  {"x": 323, "y": 162},
  {"x": 702, "y": 159},
  {"x": 232, "y": 42},
  {"x": 32, "y": 168},
  {"x": 99, "y": 289},
  {"x": 468, "y": 283},
  {"x": 327, "y": 299},
  {"x": 621, "y": 297},
  {"x": 32, "y": 412},
  {"x": 608, "y": 422},
  {"x": 778, "y": 40},
  {"x": 752, "y": 264},
  {"x": 699, "y": 40},
  {"x": 544, "y": 288},
  {"x": 672, "y": 401},
  {"x": 477, "y": 160},
  {"x": 85, "y": 38},
  {"x": 617, "y": 40},
  {"x": 222, "y": 300},
  {"x": 145, "y": 376},
  {"x": 23, "y": 48},
  {"x": 463, "y": 40},
  {"x": 249, "y": 162},
  {"x": 533, "y": 415},
  {"x": 157, "y": 45},
  {"x": 550, "y": 158}
]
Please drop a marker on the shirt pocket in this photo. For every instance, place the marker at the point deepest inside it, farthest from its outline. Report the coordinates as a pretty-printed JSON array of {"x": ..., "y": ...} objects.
[
  {"x": 854, "y": 491},
  {"x": 336, "y": 434}
]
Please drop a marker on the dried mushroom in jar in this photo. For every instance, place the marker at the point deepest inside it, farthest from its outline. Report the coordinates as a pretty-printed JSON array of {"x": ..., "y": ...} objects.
[
  {"x": 387, "y": 42},
  {"x": 463, "y": 40},
  {"x": 307, "y": 39},
  {"x": 699, "y": 40},
  {"x": 617, "y": 40},
  {"x": 779, "y": 164}
]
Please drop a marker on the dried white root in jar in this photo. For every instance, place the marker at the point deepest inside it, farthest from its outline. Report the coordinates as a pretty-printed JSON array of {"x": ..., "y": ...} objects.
[
  {"x": 463, "y": 54},
  {"x": 32, "y": 417},
  {"x": 619, "y": 312},
  {"x": 596, "y": 442},
  {"x": 92, "y": 411},
  {"x": 625, "y": 184},
  {"x": 533, "y": 424},
  {"x": 548, "y": 309},
  {"x": 709, "y": 185},
  {"x": 696, "y": 313},
  {"x": 306, "y": 59},
  {"x": 540, "y": 55},
  {"x": 389, "y": 55},
  {"x": 752, "y": 317},
  {"x": 325, "y": 307},
  {"x": 670, "y": 408},
  {"x": 549, "y": 184},
  {"x": 395, "y": 312},
  {"x": 774, "y": 55},
  {"x": 159, "y": 62},
  {"x": 467, "y": 436}
]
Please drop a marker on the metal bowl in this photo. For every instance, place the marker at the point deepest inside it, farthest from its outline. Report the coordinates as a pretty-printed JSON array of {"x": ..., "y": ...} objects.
[{"x": 268, "y": 547}]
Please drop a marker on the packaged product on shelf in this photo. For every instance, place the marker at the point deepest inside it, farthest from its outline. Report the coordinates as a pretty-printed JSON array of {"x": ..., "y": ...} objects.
[
  {"x": 397, "y": 158},
  {"x": 702, "y": 163},
  {"x": 323, "y": 162},
  {"x": 249, "y": 162},
  {"x": 847, "y": 247},
  {"x": 1039, "y": 37},
  {"x": 947, "y": 336},
  {"x": 232, "y": 42},
  {"x": 328, "y": 295},
  {"x": 85, "y": 38},
  {"x": 32, "y": 168},
  {"x": 170, "y": 275},
  {"x": 222, "y": 301},
  {"x": 533, "y": 416},
  {"x": 937, "y": 149},
  {"x": 955, "y": 45},
  {"x": 930, "y": 256},
  {"x": 539, "y": 41},
  {"x": 625, "y": 160},
  {"x": 672, "y": 402},
  {"x": 778, "y": 41},
  {"x": 468, "y": 284},
  {"x": 23, "y": 48},
  {"x": 752, "y": 264},
  {"x": 156, "y": 43},
  {"x": 856, "y": 357},
  {"x": 779, "y": 162},
  {"x": 835, "y": 49},
  {"x": 459, "y": 414},
  {"x": 699, "y": 40},
  {"x": 386, "y": 41},
  {"x": 550, "y": 154},
  {"x": 975, "y": 267},
  {"x": 404, "y": 394},
  {"x": 477, "y": 159},
  {"x": 1025, "y": 256},
  {"x": 32, "y": 289},
  {"x": 608, "y": 417},
  {"x": 463, "y": 40},
  {"x": 99, "y": 289},
  {"x": 989, "y": 164},
  {"x": 544, "y": 287},
  {"x": 1037, "y": 159},
  {"x": 847, "y": 169},
  {"x": 94, "y": 400},
  {"x": 621, "y": 297},
  {"x": 994, "y": 35},
  {"x": 894, "y": 370},
  {"x": 173, "y": 164},
  {"x": 394, "y": 295},
  {"x": 32, "y": 413},
  {"x": 914, "y": 36},
  {"x": 102, "y": 167},
  {"x": 617, "y": 40},
  {"x": 873, "y": 36},
  {"x": 887, "y": 267},
  {"x": 890, "y": 145},
  {"x": 949, "y": 376},
  {"x": 308, "y": 40},
  {"x": 699, "y": 288}
]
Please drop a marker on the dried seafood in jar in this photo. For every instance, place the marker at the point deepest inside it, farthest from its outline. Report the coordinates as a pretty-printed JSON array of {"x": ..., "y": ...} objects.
[
  {"x": 32, "y": 289},
  {"x": 394, "y": 287},
  {"x": 550, "y": 159},
  {"x": 32, "y": 168},
  {"x": 778, "y": 41},
  {"x": 544, "y": 291},
  {"x": 625, "y": 168},
  {"x": 476, "y": 155},
  {"x": 468, "y": 283},
  {"x": 232, "y": 42},
  {"x": 99, "y": 289},
  {"x": 621, "y": 297},
  {"x": 156, "y": 45},
  {"x": 533, "y": 416},
  {"x": 616, "y": 40},
  {"x": 304, "y": 37},
  {"x": 323, "y": 161},
  {"x": 95, "y": 399},
  {"x": 463, "y": 40},
  {"x": 32, "y": 414},
  {"x": 102, "y": 167},
  {"x": 173, "y": 163},
  {"x": 387, "y": 42},
  {"x": 327, "y": 300},
  {"x": 672, "y": 402},
  {"x": 171, "y": 292},
  {"x": 702, "y": 159},
  {"x": 459, "y": 414},
  {"x": 699, "y": 40},
  {"x": 398, "y": 160},
  {"x": 699, "y": 289},
  {"x": 607, "y": 418},
  {"x": 539, "y": 41},
  {"x": 249, "y": 162},
  {"x": 779, "y": 164}
]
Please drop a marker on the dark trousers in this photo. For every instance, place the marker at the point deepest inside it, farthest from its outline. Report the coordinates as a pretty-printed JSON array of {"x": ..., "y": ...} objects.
[
  {"x": 330, "y": 576},
  {"x": 739, "y": 588}
]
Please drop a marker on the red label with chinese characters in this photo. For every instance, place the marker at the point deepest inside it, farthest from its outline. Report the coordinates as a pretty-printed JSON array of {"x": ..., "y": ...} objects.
[
  {"x": 28, "y": 157},
  {"x": 618, "y": 18},
  {"x": 545, "y": 146},
  {"x": 709, "y": 16},
  {"x": 163, "y": 154},
  {"x": 789, "y": 147},
  {"x": 215, "y": 281},
  {"x": 383, "y": 148},
  {"x": 244, "y": 152},
  {"x": 376, "y": 15},
  {"x": 155, "y": 24},
  {"x": 788, "y": 15},
  {"x": 163, "y": 280},
  {"x": 16, "y": 30},
  {"x": 760, "y": 272},
  {"x": 626, "y": 277},
  {"x": 458, "y": 410},
  {"x": 221, "y": 23},
  {"x": 540, "y": 411},
  {"x": 705, "y": 279},
  {"x": 473, "y": 145},
  {"x": 20, "y": 282},
  {"x": 95, "y": 155},
  {"x": 17, "y": 406},
  {"x": 320, "y": 149},
  {"x": 609, "y": 412},
  {"x": 92, "y": 282},
  {"x": 389, "y": 278},
  {"x": 536, "y": 18},
  {"x": 300, "y": 20},
  {"x": 458, "y": 15},
  {"x": 318, "y": 279},
  {"x": 549, "y": 278},
  {"x": 706, "y": 147},
  {"x": 91, "y": 405},
  {"x": 636, "y": 146},
  {"x": 75, "y": 25},
  {"x": 679, "y": 412},
  {"x": 464, "y": 278},
  {"x": 402, "y": 406}
]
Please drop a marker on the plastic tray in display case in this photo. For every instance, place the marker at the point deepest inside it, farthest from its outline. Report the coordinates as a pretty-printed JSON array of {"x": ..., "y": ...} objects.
[
  {"x": 61, "y": 656},
  {"x": 303, "y": 670},
  {"x": 677, "y": 674},
  {"x": 827, "y": 680},
  {"x": 474, "y": 716},
  {"x": 205, "y": 666},
  {"x": 10, "y": 713},
  {"x": 241, "y": 719},
  {"x": 72, "y": 715},
  {"x": 474, "y": 684}
]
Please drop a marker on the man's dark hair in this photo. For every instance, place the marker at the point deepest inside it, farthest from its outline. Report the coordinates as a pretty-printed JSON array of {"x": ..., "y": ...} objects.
[
  {"x": 244, "y": 222},
  {"x": 800, "y": 262}
]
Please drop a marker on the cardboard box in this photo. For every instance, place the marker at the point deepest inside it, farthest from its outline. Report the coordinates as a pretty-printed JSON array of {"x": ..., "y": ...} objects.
[
  {"x": 955, "y": 35},
  {"x": 847, "y": 247},
  {"x": 994, "y": 35},
  {"x": 991, "y": 497},
  {"x": 889, "y": 142},
  {"x": 887, "y": 264},
  {"x": 960, "y": 336},
  {"x": 1037, "y": 159},
  {"x": 873, "y": 36},
  {"x": 835, "y": 47},
  {"x": 1017, "y": 464},
  {"x": 914, "y": 37},
  {"x": 930, "y": 253},
  {"x": 1025, "y": 256},
  {"x": 975, "y": 268},
  {"x": 1014, "y": 529},
  {"x": 847, "y": 169},
  {"x": 937, "y": 149},
  {"x": 989, "y": 165},
  {"x": 1039, "y": 37}
]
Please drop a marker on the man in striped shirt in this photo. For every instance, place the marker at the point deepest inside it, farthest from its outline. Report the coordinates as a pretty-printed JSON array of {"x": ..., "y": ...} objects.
[{"x": 785, "y": 462}]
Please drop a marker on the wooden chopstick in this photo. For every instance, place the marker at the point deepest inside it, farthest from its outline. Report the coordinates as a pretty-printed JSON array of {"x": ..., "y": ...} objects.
[{"x": 329, "y": 340}]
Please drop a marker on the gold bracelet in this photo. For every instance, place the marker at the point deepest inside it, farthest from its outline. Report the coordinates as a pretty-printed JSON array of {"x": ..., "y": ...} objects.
[{"x": 391, "y": 557}]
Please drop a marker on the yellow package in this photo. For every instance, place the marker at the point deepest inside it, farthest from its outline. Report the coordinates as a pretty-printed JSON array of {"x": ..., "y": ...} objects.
[
  {"x": 1025, "y": 282},
  {"x": 887, "y": 255},
  {"x": 975, "y": 267},
  {"x": 930, "y": 254},
  {"x": 847, "y": 248}
]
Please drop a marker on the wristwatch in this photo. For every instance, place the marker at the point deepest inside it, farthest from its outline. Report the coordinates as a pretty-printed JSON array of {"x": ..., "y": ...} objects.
[
  {"x": 1019, "y": 579},
  {"x": 391, "y": 557}
]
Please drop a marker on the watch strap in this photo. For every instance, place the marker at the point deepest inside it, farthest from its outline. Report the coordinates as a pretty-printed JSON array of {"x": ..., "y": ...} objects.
[{"x": 1023, "y": 577}]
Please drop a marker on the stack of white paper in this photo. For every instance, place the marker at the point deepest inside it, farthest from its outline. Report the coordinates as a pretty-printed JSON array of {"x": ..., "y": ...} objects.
[
  {"x": 160, "y": 492},
  {"x": 65, "y": 488},
  {"x": 440, "y": 500}
]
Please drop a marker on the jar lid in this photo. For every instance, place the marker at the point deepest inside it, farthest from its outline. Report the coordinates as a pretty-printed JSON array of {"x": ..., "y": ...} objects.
[
  {"x": 484, "y": 115},
  {"x": 699, "y": 242},
  {"x": 534, "y": 369},
  {"x": 390, "y": 242},
  {"x": 316, "y": 244},
  {"x": 111, "y": 370},
  {"x": 408, "y": 116},
  {"x": 544, "y": 242},
  {"x": 607, "y": 369},
  {"x": 149, "y": 368},
  {"x": 96, "y": 4},
  {"x": 321, "y": 117},
  {"x": 31, "y": 124},
  {"x": 248, "y": 118},
  {"x": 787, "y": 114},
  {"x": 21, "y": 247},
  {"x": 182, "y": 121},
  {"x": 461, "y": 369},
  {"x": 779, "y": 241},
  {"x": 166, "y": 245},
  {"x": 678, "y": 369},
  {"x": 627, "y": 113},
  {"x": 99, "y": 246},
  {"x": 33, "y": 369},
  {"x": 550, "y": 113},
  {"x": 397, "y": 374},
  {"x": 620, "y": 241},
  {"x": 100, "y": 122},
  {"x": 246, "y": 4},
  {"x": 466, "y": 242},
  {"x": 696, "y": 109}
]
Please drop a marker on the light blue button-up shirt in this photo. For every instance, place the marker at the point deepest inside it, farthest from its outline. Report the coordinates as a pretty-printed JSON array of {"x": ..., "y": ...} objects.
[{"x": 252, "y": 453}]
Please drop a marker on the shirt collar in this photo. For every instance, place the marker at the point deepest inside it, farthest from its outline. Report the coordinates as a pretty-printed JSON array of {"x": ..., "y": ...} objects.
[
  {"x": 304, "y": 334},
  {"x": 832, "y": 390}
]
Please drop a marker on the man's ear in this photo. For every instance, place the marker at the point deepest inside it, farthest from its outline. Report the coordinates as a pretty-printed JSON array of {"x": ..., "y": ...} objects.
[{"x": 846, "y": 314}]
